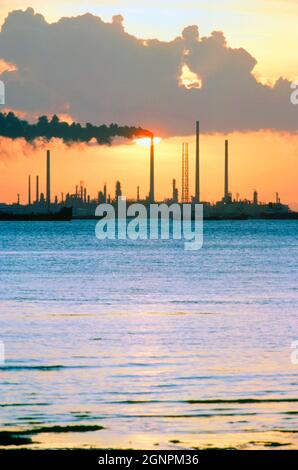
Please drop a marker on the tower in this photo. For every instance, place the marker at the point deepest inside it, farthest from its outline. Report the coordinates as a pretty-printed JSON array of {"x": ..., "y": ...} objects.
[
  {"x": 197, "y": 182},
  {"x": 48, "y": 180},
  {"x": 29, "y": 190},
  {"x": 151, "y": 193},
  {"x": 118, "y": 191},
  {"x": 175, "y": 192},
  {"x": 227, "y": 195},
  {"x": 185, "y": 178},
  {"x": 37, "y": 189}
]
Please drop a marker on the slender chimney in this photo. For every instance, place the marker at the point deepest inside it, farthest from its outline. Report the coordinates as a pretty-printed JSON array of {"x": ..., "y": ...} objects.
[
  {"x": 29, "y": 190},
  {"x": 48, "y": 180},
  {"x": 197, "y": 182},
  {"x": 151, "y": 193},
  {"x": 226, "y": 170},
  {"x": 185, "y": 181},
  {"x": 37, "y": 189}
]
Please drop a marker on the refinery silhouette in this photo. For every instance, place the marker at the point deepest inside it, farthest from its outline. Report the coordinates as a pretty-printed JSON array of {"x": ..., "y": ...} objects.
[{"x": 79, "y": 204}]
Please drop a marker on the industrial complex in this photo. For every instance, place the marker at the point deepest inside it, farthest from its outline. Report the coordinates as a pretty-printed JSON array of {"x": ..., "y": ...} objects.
[{"x": 80, "y": 205}]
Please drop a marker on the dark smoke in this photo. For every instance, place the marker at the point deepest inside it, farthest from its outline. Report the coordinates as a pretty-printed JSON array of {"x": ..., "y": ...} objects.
[{"x": 13, "y": 127}]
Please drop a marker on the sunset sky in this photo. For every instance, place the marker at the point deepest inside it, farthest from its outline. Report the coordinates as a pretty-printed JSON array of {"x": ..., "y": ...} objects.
[{"x": 98, "y": 73}]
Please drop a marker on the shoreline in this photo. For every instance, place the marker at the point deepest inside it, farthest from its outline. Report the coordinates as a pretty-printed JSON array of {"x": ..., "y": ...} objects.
[{"x": 98, "y": 438}]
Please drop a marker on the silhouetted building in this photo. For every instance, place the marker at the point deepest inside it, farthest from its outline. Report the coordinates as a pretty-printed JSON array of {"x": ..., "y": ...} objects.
[
  {"x": 118, "y": 191},
  {"x": 101, "y": 198},
  {"x": 175, "y": 192}
]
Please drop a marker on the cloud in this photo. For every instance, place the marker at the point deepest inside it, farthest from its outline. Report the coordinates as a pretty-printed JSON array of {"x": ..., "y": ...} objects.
[{"x": 96, "y": 72}]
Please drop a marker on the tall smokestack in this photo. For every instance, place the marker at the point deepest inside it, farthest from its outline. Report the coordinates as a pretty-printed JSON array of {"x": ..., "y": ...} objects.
[
  {"x": 29, "y": 190},
  {"x": 197, "y": 182},
  {"x": 185, "y": 180},
  {"x": 48, "y": 180},
  {"x": 151, "y": 193},
  {"x": 226, "y": 170},
  {"x": 37, "y": 189}
]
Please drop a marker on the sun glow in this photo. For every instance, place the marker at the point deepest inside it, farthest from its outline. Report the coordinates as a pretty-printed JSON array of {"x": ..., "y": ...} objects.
[
  {"x": 146, "y": 141},
  {"x": 189, "y": 79}
]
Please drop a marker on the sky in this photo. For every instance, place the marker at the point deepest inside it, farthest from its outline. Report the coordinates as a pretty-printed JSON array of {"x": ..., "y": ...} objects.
[
  {"x": 261, "y": 34},
  {"x": 266, "y": 28}
]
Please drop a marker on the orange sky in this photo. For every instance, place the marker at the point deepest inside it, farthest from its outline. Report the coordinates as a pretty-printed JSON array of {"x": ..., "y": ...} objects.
[{"x": 264, "y": 161}]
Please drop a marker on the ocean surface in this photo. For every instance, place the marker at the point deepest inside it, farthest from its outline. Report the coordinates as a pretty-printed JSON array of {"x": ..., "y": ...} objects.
[{"x": 140, "y": 344}]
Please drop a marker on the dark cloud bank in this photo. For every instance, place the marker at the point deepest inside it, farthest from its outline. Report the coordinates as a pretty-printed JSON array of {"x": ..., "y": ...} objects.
[{"x": 98, "y": 73}]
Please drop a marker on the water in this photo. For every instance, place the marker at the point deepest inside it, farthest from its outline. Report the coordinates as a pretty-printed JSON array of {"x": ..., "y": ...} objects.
[{"x": 161, "y": 347}]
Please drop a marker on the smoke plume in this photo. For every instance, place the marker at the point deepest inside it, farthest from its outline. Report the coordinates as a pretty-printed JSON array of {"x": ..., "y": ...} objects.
[{"x": 13, "y": 127}]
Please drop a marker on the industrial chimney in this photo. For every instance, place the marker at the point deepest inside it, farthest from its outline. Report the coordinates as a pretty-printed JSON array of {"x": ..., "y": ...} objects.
[
  {"x": 151, "y": 193},
  {"x": 226, "y": 197},
  {"x": 197, "y": 182},
  {"x": 37, "y": 189},
  {"x": 185, "y": 172},
  {"x": 48, "y": 180},
  {"x": 29, "y": 190}
]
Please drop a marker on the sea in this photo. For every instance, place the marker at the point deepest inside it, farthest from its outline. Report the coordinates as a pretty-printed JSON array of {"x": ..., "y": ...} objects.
[{"x": 143, "y": 345}]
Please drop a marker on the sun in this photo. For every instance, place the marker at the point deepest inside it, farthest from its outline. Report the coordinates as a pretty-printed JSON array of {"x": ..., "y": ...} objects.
[{"x": 146, "y": 141}]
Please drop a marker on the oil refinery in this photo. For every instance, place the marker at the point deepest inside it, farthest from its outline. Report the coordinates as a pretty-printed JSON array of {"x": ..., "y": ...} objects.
[{"x": 80, "y": 205}]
